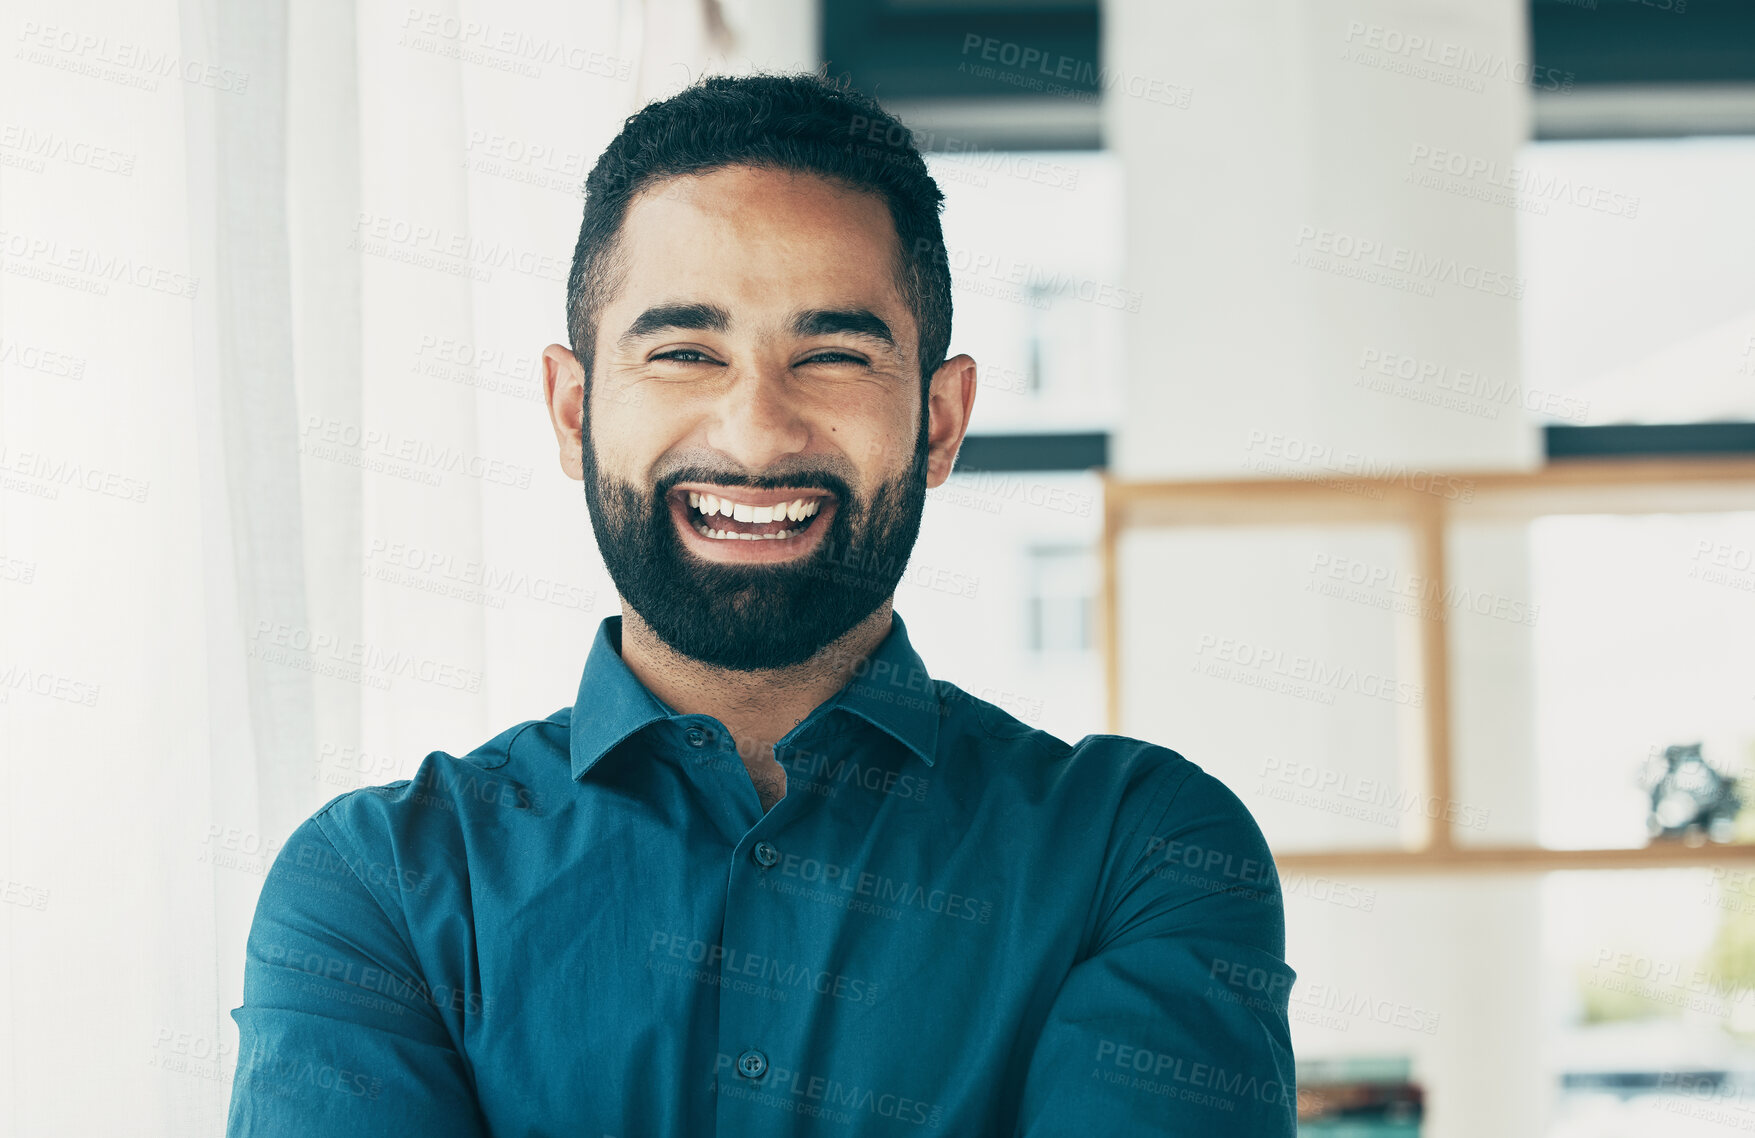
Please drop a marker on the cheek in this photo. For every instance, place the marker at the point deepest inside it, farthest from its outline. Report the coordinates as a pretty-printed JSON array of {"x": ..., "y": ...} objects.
[
  {"x": 629, "y": 429},
  {"x": 877, "y": 432},
  {"x": 882, "y": 455}
]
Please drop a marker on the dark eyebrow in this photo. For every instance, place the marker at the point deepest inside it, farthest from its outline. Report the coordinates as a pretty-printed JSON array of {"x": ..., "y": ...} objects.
[
  {"x": 661, "y": 317},
  {"x": 851, "y": 322},
  {"x": 712, "y": 318}
]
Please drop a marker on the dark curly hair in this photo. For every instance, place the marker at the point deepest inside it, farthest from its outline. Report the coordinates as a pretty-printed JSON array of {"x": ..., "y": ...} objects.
[{"x": 798, "y": 122}]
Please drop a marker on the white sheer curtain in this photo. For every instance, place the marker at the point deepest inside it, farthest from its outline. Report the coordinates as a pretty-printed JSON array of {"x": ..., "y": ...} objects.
[{"x": 279, "y": 512}]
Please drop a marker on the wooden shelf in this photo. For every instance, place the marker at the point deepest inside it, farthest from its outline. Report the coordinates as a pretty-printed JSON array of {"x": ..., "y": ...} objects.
[
  {"x": 1509, "y": 859},
  {"x": 1427, "y": 513}
]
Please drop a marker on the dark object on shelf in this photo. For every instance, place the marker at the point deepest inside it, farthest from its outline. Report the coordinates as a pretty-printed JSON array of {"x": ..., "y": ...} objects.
[
  {"x": 1628, "y": 1083},
  {"x": 1359, "y": 1097},
  {"x": 1392, "y": 1102},
  {"x": 1691, "y": 800}
]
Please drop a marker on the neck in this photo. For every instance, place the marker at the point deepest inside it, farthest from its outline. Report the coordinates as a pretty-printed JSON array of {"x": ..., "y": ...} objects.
[{"x": 758, "y": 707}]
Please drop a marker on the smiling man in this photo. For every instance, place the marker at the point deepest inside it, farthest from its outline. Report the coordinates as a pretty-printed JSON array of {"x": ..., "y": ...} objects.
[{"x": 767, "y": 876}]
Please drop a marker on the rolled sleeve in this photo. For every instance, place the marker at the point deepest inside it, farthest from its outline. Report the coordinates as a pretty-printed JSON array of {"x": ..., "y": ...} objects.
[
  {"x": 338, "y": 1035},
  {"x": 1175, "y": 1022}
]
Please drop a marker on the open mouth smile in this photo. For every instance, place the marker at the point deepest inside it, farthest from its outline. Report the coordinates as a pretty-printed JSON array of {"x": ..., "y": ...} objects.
[{"x": 741, "y": 524}]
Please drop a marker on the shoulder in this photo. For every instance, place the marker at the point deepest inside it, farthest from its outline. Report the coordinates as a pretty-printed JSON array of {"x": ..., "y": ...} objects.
[
  {"x": 973, "y": 725},
  {"x": 1170, "y": 808},
  {"x": 513, "y": 772},
  {"x": 1145, "y": 787}
]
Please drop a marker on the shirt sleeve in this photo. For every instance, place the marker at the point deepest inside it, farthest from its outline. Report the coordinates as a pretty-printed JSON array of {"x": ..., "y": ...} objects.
[
  {"x": 338, "y": 1034},
  {"x": 1175, "y": 1022}
]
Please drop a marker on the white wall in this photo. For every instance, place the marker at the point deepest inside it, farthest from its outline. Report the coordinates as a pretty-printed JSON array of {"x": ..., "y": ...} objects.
[{"x": 1287, "y": 233}]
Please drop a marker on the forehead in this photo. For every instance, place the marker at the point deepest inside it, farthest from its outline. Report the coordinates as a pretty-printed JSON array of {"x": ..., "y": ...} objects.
[{"x": 749, "y": 237}]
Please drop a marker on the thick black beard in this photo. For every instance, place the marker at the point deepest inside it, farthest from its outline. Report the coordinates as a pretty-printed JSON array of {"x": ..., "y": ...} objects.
[{"x": 749, "y": 618}]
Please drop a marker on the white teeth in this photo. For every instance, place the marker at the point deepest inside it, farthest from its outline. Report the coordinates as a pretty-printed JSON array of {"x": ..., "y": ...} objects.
[
  {"x": 712, "y": 505},
  {"x": 730, "y": 535}
]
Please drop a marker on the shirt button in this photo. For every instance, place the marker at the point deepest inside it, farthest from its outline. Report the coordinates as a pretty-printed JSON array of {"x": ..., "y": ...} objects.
[
  {"x": 752, "y": 1064},
  {"x": 765, "y": 854},
  {"x": 696, "y": 737}
]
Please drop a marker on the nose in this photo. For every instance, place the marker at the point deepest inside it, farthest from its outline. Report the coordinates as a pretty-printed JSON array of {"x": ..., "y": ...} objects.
[{"x": 759, "y": 420}]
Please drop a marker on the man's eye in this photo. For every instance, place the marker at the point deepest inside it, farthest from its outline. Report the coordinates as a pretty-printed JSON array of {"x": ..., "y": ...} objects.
[
  {"x": 677, "y": 354},
  {"x": 832, "y": 358}
]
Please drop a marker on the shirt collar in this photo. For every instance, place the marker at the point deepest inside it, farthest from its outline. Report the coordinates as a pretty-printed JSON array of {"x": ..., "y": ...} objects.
[{"x": 890, "y": 690}]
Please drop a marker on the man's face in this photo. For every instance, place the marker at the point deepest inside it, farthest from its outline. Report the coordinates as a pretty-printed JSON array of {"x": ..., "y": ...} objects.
[{"x": 757, "y": 459}]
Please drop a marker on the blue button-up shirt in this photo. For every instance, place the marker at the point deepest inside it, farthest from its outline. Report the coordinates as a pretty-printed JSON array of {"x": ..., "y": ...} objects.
[{"x": 951, "y": 924}]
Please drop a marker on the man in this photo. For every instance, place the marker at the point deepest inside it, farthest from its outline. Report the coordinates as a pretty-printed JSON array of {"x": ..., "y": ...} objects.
[{"x": 766, "y": 876}]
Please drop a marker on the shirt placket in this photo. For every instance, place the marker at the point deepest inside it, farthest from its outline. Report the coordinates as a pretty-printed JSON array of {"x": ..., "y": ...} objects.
[{"x": 763, "y": 938}]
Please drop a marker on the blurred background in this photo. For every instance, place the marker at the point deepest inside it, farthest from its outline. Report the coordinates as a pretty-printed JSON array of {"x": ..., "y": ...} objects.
[{"x": 1365, "y": 412}]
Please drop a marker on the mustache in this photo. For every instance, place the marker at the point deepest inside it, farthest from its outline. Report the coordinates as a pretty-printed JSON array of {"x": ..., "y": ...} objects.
[{"x": 795, "y": 479}]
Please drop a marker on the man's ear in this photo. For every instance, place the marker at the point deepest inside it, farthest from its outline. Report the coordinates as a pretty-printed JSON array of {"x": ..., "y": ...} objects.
[
  {"x": 563, "y": 386},
  {"x": 950, "y": 400}
]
